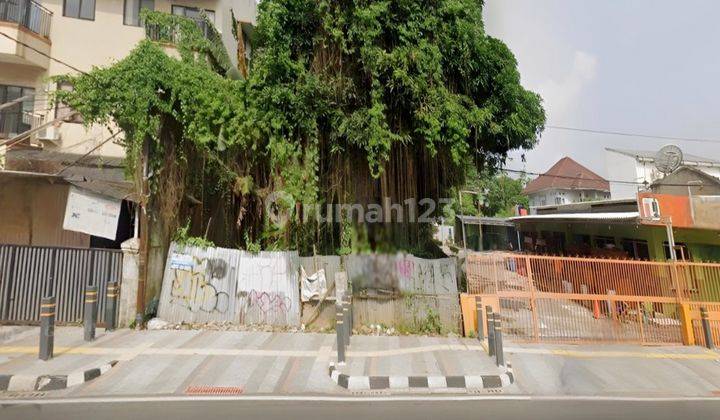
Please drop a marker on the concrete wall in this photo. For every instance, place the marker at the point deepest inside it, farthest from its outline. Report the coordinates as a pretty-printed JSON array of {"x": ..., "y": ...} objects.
[{"x": 400, "y": 291}]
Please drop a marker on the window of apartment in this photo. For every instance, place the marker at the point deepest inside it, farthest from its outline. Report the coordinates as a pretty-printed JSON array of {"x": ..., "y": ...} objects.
[
  {"x": 681, "y": 251},
  {"x": 637, "y": 249},
  {"x": 65, "y": 112},
  {"x": 16, "y": 118},
  {"x": 559, "y": 200},
  {"x": 192, "y": 12},
  {"x": 79, "y": 9},
  {"x": 604, "y": 242},
  {"x": 131, "y": 14}
]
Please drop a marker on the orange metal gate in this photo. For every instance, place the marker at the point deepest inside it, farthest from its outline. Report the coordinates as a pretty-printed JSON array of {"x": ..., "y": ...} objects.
[{"x": 564, "y": 299}]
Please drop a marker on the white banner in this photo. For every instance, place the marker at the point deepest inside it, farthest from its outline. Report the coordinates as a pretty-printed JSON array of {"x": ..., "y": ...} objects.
[{"x": 91, "y": 214}]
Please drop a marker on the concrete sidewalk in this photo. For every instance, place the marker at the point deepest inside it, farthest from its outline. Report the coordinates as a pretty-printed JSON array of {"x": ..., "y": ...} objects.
[
  {"x": 614, "y": 370},
  {"x": 181, "y": 362},
  {"x": 176, "y": 361}
]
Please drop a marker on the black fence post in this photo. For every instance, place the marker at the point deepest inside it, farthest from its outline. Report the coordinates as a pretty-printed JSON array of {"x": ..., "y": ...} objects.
[
  {"x": 339, "y": 332},
  {"x": 478, "y": 311},
  {"x": 47, "y": 327},
  {"x": 499, "y": 354},
  {"x": 90, "y": 314},
  {"x": 706, "y": 328},
  {"x": 111, "y": 306},
  {"x": 491, "y": 330}
]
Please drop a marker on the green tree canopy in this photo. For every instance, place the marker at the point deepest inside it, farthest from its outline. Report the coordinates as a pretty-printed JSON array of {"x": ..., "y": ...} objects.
[{"x": 346, "y": 102}]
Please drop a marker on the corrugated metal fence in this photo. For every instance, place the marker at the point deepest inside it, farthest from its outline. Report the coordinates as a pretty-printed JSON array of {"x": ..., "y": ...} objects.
[
  {"x": 27, "y": 273},
  {"x": 204, "y": 285}
]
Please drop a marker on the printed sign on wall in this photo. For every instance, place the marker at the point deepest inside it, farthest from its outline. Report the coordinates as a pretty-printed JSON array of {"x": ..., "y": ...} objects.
[{"x": 91, "y": 214}]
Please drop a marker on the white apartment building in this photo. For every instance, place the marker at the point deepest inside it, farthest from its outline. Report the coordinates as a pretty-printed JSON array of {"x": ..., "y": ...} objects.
[
  {"x": 565, "y": 183},
  {"x": 83, "y": 34},
  {"x": 639, "y": 166}
]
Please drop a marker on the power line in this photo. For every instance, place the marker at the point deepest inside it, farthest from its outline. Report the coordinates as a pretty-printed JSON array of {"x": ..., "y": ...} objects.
[
  {"x": 43, "y": 53},
  {"x": 638, "y": 135},
  {"x": 635, "y": 183},
  {"x": 76, "y": 161}
]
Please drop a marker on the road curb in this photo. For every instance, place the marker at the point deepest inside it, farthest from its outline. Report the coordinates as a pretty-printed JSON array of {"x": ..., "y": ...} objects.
[
  {"x": 467, "y": 382},
  {"x": 51, "y": 382}
]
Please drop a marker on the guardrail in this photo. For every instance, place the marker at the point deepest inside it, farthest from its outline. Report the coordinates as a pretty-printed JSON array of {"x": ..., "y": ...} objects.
[{"x": 28, "y": 14}]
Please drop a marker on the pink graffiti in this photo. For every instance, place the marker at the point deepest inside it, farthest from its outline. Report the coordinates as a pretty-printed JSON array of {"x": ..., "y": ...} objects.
[
  {"x": 269, "y": 301},
  {"x": 405, "y": 268}
]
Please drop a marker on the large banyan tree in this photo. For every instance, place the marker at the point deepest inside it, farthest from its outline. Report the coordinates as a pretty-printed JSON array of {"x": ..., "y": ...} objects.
[{"x": 347, "y": 102}]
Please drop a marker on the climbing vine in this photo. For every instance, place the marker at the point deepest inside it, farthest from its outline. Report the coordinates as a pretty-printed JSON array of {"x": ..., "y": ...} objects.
[{"x": 346, "y": 102}]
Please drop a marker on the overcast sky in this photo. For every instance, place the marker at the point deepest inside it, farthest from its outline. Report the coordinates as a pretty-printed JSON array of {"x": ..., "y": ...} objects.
[{"x": 641, "y": 66}]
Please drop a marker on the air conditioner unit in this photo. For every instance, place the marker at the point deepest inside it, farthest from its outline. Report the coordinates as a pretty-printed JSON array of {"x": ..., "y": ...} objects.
[
  {"x": 650, "y": 208},
  {"x": 50, "y": 133}
]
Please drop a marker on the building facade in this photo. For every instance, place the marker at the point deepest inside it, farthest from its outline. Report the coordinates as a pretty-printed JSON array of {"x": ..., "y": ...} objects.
[
  {"x": 565, "y": 183},
  {"x": 638, "y": 166},
  {"x": 82, "y": 34},
  {"x": 676, "y": 215}
]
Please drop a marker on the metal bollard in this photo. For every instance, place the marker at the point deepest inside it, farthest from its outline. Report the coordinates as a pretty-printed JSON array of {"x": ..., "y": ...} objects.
[
  {"x": 90, "y": 314},
  {"x": 491, "y": 330},
  {"x": 340, "y": 333},
  {"x": 706, "y": 328},
  {"x": 111, "y": 306},
  {"x": 478, "y": 311},
  {"x": 47, "y": 328},
  {"x": 346, "y": 319},
  {"x": 499, "y": 354}
]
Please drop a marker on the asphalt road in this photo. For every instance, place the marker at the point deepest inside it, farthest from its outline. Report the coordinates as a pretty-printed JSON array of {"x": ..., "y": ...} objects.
[{"x": 495, "y": 408}]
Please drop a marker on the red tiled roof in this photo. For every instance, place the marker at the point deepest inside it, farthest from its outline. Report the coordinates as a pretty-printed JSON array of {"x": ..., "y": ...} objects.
[{"x": 567, "y": 174}]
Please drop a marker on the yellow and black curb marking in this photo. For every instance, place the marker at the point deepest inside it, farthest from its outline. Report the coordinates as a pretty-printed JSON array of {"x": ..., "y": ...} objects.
[
  {"x": 51, "y": 382},
  {"x": 467, "y": 382}
]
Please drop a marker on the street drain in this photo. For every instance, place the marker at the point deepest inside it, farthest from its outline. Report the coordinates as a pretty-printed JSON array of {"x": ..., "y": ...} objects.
[
  {"x": 213, "y": 390},
  {"x": 371, "y": 392},
  {"x": 485, "y": 391}
]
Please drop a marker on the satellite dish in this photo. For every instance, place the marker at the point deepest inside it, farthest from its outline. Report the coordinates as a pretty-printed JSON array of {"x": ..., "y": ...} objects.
[{"x": 668, "y": 159}]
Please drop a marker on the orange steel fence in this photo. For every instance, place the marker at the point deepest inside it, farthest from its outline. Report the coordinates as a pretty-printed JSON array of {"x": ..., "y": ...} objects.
[{"x": 565, "y": 299}]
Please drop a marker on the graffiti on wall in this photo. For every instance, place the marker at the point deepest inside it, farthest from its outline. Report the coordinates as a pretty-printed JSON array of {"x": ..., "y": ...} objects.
[
  {"x": 199, "y": 286},
  {"x": 395, "y": 274},
  {"x": 265, "y": 296},
  {"x": 228, "y": 285}
]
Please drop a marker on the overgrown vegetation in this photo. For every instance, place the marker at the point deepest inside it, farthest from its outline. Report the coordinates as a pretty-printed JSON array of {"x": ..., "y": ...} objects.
[
  {"x": 368, "y": 102},
  {"x": 182, "y": 237},
  {"x": 497, "y": 195}
]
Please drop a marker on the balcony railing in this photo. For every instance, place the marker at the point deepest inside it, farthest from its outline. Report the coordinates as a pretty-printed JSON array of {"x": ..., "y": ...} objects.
[
  {"x": 171, "y": 32},
  {"x": 28, "y": 14}
]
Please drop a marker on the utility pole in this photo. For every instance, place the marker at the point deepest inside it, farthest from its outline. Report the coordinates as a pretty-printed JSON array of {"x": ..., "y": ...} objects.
[{"x": 144, "y": 251}]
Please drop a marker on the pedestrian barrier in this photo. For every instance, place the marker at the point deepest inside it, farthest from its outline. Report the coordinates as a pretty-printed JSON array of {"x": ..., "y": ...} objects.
[
  {"x": 566, "y": 299},
  {"x": 90, "y": 314},
  {"x": 47, "y": 328},
  {"x": 343, "y": 325}
]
